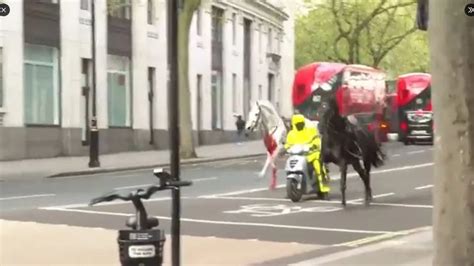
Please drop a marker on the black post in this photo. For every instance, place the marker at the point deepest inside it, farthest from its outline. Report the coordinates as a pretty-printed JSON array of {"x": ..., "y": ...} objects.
[
  {"x": 94, "y": 130},
  {"x": 173, "y": 125}
]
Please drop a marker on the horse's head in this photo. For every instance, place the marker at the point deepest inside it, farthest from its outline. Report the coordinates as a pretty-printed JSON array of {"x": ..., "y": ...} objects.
[
  {"x": 331, "y": 116},
  {"x": 253, "y": 118}
]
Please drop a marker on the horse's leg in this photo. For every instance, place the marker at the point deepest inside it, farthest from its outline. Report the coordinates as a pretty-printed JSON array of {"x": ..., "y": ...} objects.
[
  {"x": 274, "y": 172},
  {"x": 265, "y": 167},
  {"x": 367, "y": 167},
  {"x": 274, "y": 156},
  {"x": 343, "y": 171},
  {"x": 365, "y": 178}
]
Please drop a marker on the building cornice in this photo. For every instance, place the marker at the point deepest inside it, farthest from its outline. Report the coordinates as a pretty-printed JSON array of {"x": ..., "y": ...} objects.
[{"x": 256, "y": 9}]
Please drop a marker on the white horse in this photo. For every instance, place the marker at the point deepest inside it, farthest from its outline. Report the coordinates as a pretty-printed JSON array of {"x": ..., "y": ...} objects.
[{"x": 274, "y": 131}]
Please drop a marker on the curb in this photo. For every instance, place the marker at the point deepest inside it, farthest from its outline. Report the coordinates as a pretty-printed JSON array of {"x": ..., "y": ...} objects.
[{"x": 141, "y": 167}]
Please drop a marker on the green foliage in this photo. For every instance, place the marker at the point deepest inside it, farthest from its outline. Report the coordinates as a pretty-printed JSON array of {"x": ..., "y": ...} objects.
[{"x": 379, "y": 33}]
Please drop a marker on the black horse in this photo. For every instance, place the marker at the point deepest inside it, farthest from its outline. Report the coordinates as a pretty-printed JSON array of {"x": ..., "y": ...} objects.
[{"x": 345, "y": 143}]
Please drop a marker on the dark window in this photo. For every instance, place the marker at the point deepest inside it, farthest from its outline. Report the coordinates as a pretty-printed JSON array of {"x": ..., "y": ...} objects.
[
  {"x": 151, "y": 12},
  {"x": 119, "y": 8},
  {"x": 85, "y": 4},
  {"x": 198, "y": 21}
]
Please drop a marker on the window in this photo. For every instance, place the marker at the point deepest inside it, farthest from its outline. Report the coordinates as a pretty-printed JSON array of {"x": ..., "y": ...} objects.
[
  {"x": 279, "y": 41},
  {"x": 260, "y": 92},
  {"x": 234, "y": 28},
  {"x": 198, "y": 21},
  {"x": 41, "y": 85},
  {"x": 119, "y": 8},
  {"x": 48, "y": 1},
  {"x": 151, "y": 12},
  {"x": 216, "y": 96},
  {"x": 85, "y": 4},
  {"x": 260, "y": 29},
  {"x": 271, "y": 87},
  {"x": 217, "y": 24},
  {"x": 235, "y": 96},
  {"x": 1, "y": 77},
  {"x": 270, "y": 40},
  {"x": 118, "y": 87},
  {"x": 85, "y": 103}
]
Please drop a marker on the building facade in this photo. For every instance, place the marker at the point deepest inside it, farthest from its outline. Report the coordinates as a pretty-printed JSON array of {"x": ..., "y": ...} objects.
[{"x": 235, "y": 57}]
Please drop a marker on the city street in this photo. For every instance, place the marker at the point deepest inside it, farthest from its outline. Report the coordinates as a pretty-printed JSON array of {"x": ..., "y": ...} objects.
[{"x": 227, "y": 200}]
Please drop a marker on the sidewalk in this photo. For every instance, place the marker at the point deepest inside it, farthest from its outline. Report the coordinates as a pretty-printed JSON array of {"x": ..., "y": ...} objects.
[
  {"x": 412, "y": 250},
  {"x": 72, "y": 245},
  {"x": 68, "y": 166}
]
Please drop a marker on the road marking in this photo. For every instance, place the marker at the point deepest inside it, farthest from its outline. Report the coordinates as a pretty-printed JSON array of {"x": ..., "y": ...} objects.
[
  {"x": 371, "y": 239},
  {"x": 350, "y": 175},
  {"x": 362, "y": 250},
  {"x": 415, "y": 152},
  {"x": 375, "y": 197},
  {"x": 352, "y": 202},
  {"x": 134, "y": 186},
  {"x": 84, "y": 205},
  {"x": 245, "y": 191},
  {"x": 269, "y": 210},
  {"x": 146, "y": 185},
  {"x": 403, "y": 205},
  {"x": 203, "y": 179},
  {"x": 309, "y": 228},
  {"x": 28, "y": 196},
  {"x": 396, "y": 155},
  {"x": 423, "y": 187}
]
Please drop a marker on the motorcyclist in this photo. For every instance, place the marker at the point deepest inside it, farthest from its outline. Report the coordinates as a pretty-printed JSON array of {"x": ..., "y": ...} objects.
[{"x": 301, "y": 133}]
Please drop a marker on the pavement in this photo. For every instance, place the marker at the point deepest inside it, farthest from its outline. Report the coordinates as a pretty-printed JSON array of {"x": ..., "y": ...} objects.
[
  {"x": 229, "y": 217},
  {"x": 78, "y": 165}
]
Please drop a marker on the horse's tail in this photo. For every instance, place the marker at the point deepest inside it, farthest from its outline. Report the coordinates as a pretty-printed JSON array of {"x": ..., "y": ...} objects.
[{"x": 378, "y": 156}]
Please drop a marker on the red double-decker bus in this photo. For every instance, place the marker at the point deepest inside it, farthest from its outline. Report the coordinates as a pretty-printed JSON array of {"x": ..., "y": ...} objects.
[
  {"x": 359, "y": 91},
  {"x": 415, "y": 112}
]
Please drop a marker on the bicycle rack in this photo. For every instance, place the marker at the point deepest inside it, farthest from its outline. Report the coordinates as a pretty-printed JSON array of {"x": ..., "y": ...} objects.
[{"x": 142, "y": 245}]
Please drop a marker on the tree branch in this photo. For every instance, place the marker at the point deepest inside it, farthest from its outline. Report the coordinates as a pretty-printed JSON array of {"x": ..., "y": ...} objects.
[{"x": 396, "y": 41}]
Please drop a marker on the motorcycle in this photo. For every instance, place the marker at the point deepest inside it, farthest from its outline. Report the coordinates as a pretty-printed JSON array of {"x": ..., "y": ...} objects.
[{"x": 299, "y": 172}]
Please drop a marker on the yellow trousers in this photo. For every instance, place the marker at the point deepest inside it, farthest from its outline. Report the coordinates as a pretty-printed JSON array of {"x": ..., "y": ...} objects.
[{"x": 314, "y": 158}]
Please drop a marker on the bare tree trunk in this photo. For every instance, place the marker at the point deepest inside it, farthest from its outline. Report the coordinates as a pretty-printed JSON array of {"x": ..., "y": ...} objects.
[
  {"x": 186, "y": 128},
  {"x": 452, "y": 59}
]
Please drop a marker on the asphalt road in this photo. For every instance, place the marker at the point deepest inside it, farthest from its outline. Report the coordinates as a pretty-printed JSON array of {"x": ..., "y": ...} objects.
[{"x": 228, "y": 200}]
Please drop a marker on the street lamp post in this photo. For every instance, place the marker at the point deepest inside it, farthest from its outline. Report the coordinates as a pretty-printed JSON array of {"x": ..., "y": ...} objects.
[
  {"x": 94, "y": 129},
  {"x": 173, "y": 125}
]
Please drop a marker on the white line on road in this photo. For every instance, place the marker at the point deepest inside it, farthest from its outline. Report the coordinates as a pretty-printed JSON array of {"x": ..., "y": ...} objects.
[
  {"x": 310, "y": 228},
  {"x": 395, "y": 155},
  {"x": 375, "y": 196},
  {"x": 350, "y": 175},
  {"x": 351, "y": 202},
  {"x": 423, "y": 187},
  {"x": 362, "y": 250},
  {"x": 203, "y": 179},
  {"x": 84, "y": 205},
  {"x": 415, "y": 152},
  {"x": 146, "y": 185},
  {"x": 28, "y": 196}
]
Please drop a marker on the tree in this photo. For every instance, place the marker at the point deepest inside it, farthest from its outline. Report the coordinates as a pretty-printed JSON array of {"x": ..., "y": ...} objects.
[
  {"x": 186, "y": 130},
  {"x": 363, "y": 32},
  {"x": 451, "y": 38}
]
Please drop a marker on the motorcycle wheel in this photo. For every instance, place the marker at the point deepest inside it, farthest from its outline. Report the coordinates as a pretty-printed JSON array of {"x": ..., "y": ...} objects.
[{"x": 292, "y": 190}]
